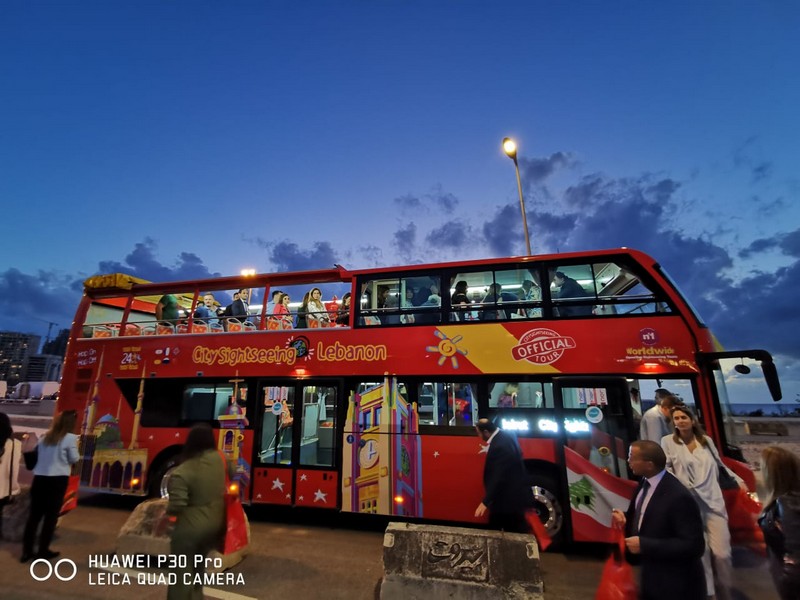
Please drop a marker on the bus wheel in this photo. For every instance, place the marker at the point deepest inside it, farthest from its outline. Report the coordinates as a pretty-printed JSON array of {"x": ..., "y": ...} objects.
[
  {"x": 159, "y": 479},
  {"x": 549, "y": 508}
]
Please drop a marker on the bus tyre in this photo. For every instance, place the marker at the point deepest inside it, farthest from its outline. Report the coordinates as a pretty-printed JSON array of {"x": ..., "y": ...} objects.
[
  {"x": 159, "y": 477},
  {"x": 549, "y": 507}
]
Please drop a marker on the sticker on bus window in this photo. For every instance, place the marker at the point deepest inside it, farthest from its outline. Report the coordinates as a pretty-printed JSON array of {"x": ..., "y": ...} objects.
[
  {"x": 277, "y": 408},
  {"x": 594, "y": 414}
]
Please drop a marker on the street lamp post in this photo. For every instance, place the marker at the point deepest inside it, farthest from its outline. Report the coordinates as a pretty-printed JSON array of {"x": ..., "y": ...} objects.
[{"x": 510, "y": 148}]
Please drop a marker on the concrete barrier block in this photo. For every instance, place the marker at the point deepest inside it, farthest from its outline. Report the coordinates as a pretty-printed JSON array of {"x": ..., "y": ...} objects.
[
  {"x": 433, "y": 562},
  {"x": 147, "y": 531}
]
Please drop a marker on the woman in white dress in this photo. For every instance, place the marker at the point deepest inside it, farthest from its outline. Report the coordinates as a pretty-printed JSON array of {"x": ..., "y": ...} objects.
[
  {"x": 316, "y": 310},
  {"x": 693, "y": 459}
]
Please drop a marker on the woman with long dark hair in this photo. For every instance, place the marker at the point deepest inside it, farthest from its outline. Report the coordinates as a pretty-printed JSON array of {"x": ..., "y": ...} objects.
[
  {"x": 693, "y": 459},
  {"x": 197, "y": 500},
  {"x": 57, "y": 452},
  {"x": 780, "y": 519},
  {"x": 10, "y": 451}
]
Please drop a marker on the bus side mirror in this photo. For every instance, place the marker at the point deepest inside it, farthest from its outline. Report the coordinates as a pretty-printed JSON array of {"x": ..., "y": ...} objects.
[{"x": 771, "y": 376}]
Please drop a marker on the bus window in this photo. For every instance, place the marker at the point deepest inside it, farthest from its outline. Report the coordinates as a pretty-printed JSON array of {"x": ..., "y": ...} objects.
[
  {"x": 318, "y": 442},
  {"x": 204, "y": 402},
  {"x": 401, "y": 300},
  {"x": 495, "y": 295},
  {"x": 520, "y": 394},
  {"x": 451, "y": 404}
]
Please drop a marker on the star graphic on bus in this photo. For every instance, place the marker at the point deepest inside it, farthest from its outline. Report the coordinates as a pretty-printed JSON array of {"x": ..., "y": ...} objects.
[
  {"x": 277, "y": 484},
  {"x": 320, "y": 496},
  {"x": 447, "y": 348}
]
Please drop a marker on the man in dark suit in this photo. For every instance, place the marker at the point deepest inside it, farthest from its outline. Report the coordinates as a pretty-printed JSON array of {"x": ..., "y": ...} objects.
[
  {"x": 664, "y": 529},
  {"x": 508, "y": 493}
]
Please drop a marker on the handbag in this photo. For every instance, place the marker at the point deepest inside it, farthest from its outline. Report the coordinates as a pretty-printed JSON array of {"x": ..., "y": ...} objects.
[
  {"x": 724, "y": 477},
  {"x": 617, "y": 582},
  {"x": 31, "y": 458},
  {"x": 236, "y": 529}
]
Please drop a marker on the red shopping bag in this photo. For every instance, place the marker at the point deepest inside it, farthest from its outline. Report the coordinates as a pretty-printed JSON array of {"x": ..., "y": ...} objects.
[
  {"x": 616, "y": 581},
  {"x": 539, "y": 531},
  {"x": 236, "y": 530},
  {"x": 743, "y": 514},
  {"x": 71, "y": 495},
  {"x": 236, "y": 536}
]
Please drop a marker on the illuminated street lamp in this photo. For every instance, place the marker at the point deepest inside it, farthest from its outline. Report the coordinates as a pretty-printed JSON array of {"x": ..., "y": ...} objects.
[
  {"x": 248, "y": 273},
  {"x": 510, "y": 148}
]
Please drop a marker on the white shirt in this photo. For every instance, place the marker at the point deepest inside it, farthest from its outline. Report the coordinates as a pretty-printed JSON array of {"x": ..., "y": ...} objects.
[
  {"x": 698, "y": 471},
  {"x": 653, "y": 481},
  {"x": 9, "y": 468}
]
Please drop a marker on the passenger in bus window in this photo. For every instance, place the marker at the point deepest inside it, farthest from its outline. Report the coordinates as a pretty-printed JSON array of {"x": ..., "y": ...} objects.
[
  {"x": 508, "y": 399},
  {"x": 282, "y": 317},
  {"x": 494, "y": 295},
  {"x": 207, "y": 311},
  {"x": 569, "y": 288},
  {"x": 407, "y": 302},
  {"x": 343, "y": 316},
  {"x": 459, "y": 302},
  {"x": 530, "y": 292},
  {"x": 391, "y": 316},
  {"x": 167, "y": 309},
  {"x": 302, "y": 312},
  {"x": 240, "y": 308},
  {"x": 316, "y": 310},
  {"x": 271, "y": 304}
]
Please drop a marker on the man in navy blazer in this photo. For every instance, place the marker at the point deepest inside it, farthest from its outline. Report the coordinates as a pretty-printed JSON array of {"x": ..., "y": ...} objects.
[
  {"x": 508, "y": 494},
  {"x": 664, "y": 529}
]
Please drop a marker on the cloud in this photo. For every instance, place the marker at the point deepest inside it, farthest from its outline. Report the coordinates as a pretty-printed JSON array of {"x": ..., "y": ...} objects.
[
  {"x": 287, "y": 256},
  {"x": 142, "y": 262},
  {"x": 503, "y": 233},
  {"x": 445, "y": 201},
  {"x": 408, "y": 202},
  {"x": 536, "y": 170},
  {"x": 404, "y": 241},
  {"x": 454, "y": 235},
  {"x": 437, "y": 198},
  {"x": 788, "y": 243},
  {"x": 29, "y": 302}
]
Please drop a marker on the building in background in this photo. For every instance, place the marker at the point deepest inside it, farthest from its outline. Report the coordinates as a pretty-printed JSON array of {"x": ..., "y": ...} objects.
[
  {"x": 15, "y": 349},
  {"x": 42, "y": 367},
  {"x": 57, "y": 346}
]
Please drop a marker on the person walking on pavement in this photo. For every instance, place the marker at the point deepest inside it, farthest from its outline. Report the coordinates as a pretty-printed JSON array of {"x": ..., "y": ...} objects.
[
  {"x": 197, "y": 500},
  {"x": 508, "y": 494},
  {"x": 10, "y": 453},
  {"x": 56, "y": 451},
  {"x": 663, "y": 529}
]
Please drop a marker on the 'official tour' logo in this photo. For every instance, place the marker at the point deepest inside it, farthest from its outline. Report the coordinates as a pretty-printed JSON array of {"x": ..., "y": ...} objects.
[{"x": 542, "y": 346}]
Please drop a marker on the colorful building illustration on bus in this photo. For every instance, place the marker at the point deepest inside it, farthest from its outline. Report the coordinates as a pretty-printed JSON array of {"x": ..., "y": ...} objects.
[
  {"x": 230, "y": 443},
  {"x": 110, "y": 465},
  {"x": 382, "y": 459}
]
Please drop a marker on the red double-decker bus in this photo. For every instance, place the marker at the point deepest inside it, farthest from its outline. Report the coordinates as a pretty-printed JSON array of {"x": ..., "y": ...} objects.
[{"x": 368, "y": 405}]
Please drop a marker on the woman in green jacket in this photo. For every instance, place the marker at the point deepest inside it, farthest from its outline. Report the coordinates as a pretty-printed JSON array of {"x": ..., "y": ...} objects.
[{"x": 197, "y": 500}]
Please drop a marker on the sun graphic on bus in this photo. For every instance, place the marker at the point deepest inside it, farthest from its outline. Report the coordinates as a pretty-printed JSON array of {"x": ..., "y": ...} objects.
[{"x": 448, "y": 348}]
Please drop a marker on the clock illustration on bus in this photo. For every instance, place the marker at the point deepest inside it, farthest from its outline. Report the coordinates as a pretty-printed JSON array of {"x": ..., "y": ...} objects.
[{"x": 368, "y": 455}]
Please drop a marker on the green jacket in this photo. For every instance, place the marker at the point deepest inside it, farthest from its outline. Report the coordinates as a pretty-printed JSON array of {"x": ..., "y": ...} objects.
[{"x": 197, "y": 499}]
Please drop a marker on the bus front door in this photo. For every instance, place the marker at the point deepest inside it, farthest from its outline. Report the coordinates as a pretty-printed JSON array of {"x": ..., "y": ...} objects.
[
  {"x": 296, "y": 449},
  {"x": 596, "y": 431}
]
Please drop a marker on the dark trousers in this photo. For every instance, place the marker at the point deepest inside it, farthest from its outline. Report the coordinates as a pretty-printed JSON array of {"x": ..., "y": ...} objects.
[
  {"x": 511, "y": 522},
  {"x": 47, "y": 497}
]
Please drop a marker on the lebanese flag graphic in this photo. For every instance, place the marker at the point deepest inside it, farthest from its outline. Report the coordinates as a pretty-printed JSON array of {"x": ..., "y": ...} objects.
[{"x": 593, "y": 493}]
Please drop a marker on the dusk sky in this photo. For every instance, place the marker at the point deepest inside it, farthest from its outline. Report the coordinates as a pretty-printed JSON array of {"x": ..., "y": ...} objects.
[{"x": 174, "y": 140}]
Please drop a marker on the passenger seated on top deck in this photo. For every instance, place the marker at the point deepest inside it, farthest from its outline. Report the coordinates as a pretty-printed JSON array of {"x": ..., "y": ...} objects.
[
  {"x": 569, "y": 288},
  {"x": 207, "y": 310},
  {"x": 283, "y": 317},
  {"x": 302, "y": 312},
  {"x": 434, "y": 300},
  {"x": 343, "y": 316},
  {"x": 271, "y": 304},
  {"x": 495, "y": 295},
  {"x": 240, "y": 307},
  {"x": 316, "y": 310},
  {"x": 460, "y": 302},
  {"x": 167, "y": 309},
  {"x": 228, "y": 312},
  {"x": 530, "y": 292},
  {"x": 391, "y": 317}
]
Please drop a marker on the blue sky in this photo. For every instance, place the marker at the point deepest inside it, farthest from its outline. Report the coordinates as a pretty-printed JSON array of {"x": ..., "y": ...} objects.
[{"x": 174, "y": 140}]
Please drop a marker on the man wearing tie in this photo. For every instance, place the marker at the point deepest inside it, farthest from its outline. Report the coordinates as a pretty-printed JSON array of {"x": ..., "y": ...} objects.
[{"x": 663, "y": 529}]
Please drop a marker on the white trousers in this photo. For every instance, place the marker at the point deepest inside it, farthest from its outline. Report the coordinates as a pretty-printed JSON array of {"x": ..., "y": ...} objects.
[{"x": 717, "y": 557}]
